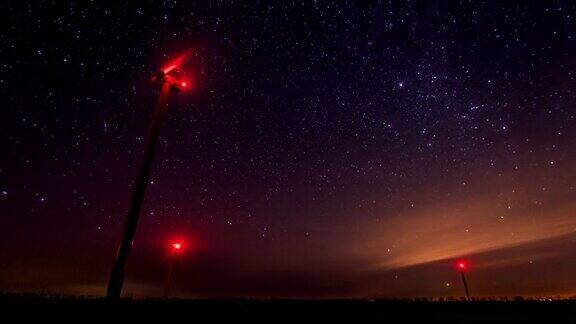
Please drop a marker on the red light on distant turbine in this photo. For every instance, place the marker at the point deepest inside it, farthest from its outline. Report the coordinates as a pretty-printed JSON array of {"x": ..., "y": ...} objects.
[
  {"x": 177, "y": 246},
  {"x": 461, "y": 265},
  {"x": 183, "y": 84}
]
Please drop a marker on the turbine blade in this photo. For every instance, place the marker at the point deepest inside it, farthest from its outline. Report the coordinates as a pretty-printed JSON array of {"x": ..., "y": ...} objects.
[{"x": 176, "y": 63}]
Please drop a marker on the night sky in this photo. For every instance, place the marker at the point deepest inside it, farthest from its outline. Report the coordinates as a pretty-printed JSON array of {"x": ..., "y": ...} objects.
[{"x": 328, "y": 148}]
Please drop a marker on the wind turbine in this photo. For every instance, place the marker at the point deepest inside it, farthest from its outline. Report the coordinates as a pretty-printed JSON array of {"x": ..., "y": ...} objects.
[
  {"x": 171, "y": 79},
  {"x": 175, "y": 251},
  {"x": 462, "y": 266}
]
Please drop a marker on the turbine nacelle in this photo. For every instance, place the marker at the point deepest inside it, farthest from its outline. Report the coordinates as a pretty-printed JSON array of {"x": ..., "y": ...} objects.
[
  {"x": 172, "y": 73},
  {"x": 177, "y": 80}
]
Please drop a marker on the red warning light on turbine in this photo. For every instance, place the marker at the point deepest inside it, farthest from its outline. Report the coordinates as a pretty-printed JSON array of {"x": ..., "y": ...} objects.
[
  {"x": 461, "y": 265},
  {"x": 177, "y": 246}
]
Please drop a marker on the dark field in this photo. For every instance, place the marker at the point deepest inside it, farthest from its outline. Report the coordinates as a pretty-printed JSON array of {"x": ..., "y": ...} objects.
[{"x": 282, "y": 310}]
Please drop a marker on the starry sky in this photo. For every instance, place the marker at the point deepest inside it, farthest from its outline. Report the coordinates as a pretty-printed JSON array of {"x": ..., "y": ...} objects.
[{"x": 328, "y": 148}]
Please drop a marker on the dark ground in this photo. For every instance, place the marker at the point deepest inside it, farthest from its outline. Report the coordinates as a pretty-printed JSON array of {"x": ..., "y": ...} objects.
[{"x": 279, "y": 310}]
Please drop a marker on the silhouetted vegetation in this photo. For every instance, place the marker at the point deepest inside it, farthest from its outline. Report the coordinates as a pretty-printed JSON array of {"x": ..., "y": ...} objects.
[{"x": 422, "y": 309}]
